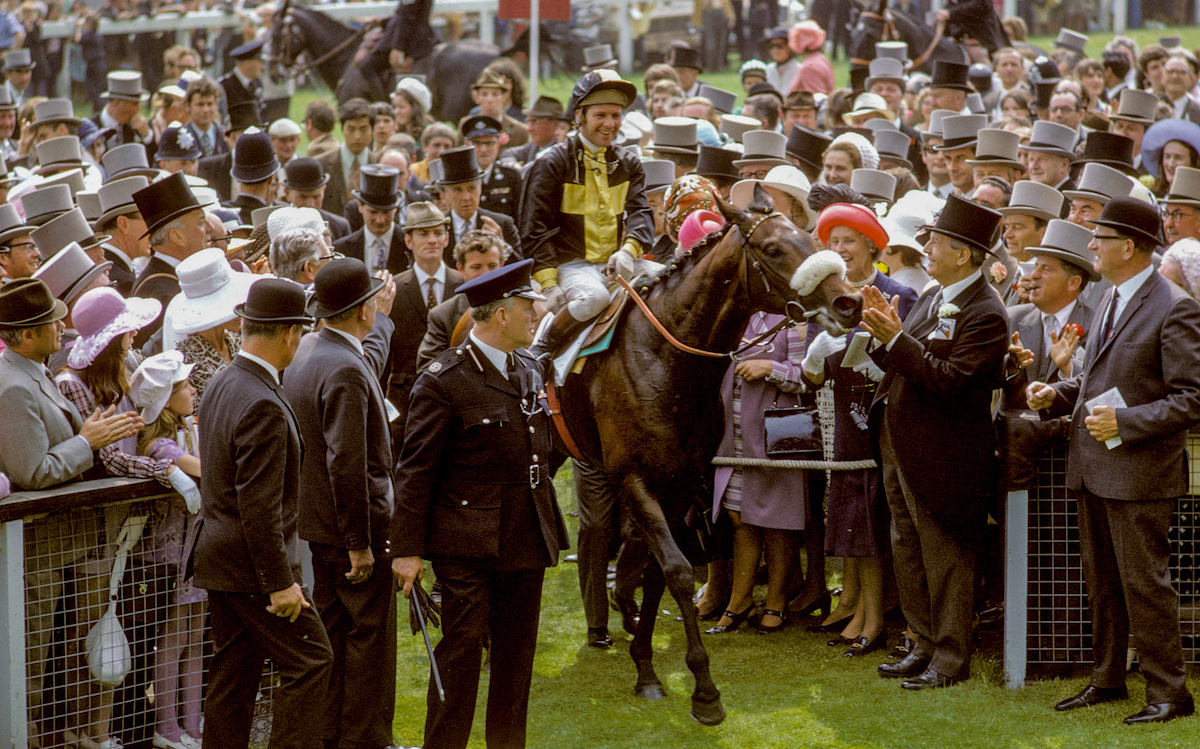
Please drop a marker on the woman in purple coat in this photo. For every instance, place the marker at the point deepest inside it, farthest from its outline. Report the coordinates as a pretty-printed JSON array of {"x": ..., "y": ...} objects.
[{"x": 766, "y": 505}]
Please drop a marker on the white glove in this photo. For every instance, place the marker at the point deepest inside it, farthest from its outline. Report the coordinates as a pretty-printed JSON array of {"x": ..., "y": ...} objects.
[
  {"x": 183, "y": 483},
  {"x": 870, "y": 370},
  {"x": 822, "y": 347},
  {"x": 621, "y": 263},
  {"x": 556, "y": 298}
]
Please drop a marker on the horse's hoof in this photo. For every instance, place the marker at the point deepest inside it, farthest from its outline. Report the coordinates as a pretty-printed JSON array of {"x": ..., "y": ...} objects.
[
  {"x": 651, "y": 692},
  {"x": 708, "y": 713}
]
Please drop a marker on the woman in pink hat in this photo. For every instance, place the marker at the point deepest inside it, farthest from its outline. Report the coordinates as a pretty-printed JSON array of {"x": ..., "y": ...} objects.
[{"x": 807, "y": 40}]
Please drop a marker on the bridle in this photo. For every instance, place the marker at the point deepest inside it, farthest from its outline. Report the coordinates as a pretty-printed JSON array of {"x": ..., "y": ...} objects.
[
  {"x": 889, "y": 34},
  {"x": 288, "y": 60}
]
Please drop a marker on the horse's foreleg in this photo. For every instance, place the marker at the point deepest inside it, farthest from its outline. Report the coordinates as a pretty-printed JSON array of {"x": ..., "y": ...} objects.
[
  {"x": 677, "y": 575},
  {"x": 641, "y": 649}
]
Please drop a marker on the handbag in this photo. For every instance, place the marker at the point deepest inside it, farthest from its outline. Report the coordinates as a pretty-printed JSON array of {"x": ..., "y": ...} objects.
[
  {"x": 109, "y": 657},
  {"x": 793, "y": 433}
]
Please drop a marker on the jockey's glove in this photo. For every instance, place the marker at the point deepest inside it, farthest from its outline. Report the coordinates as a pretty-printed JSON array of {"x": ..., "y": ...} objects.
[{"x": 621, "y": 263}]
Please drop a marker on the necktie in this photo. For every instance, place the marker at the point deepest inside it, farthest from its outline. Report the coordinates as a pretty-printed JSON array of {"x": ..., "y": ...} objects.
[
  {"x": 1111, "y": 318},
  {"x": 353, "y": 179},
  {"x": 511, "y": 372},
  {"x": 430, "y": 298},
  {"x": 1049, "y": 325},
  {"x": 206, "y": 142},
  {"x": 377, "y": 249}
]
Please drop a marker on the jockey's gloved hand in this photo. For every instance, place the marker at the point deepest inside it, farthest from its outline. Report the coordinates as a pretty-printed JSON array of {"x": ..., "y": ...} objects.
[
  {"x": 556, "y": 298},
  {"x": 621, "y": 263},
  {"x": 823, "y": 346}
]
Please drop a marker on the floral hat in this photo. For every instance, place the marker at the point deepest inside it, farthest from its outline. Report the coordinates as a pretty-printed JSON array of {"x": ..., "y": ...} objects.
[
  {"x": 689, "y": 193},
  {"x": 101, "y": 315}
]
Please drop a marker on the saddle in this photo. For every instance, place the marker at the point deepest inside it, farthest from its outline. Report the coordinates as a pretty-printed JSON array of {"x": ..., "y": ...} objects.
[{"x": 598, "y": 339}]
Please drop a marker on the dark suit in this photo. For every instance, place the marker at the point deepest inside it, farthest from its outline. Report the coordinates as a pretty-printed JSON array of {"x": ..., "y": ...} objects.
[
  {"x": 121, "y": 273},
  {"x": 1127, "y": 494},
  {"x": 939, "y": 471},
  {"x": 501, "y": 190},
  {"x": 346, "y": 503},
  {"x": 216, "y": 147},
  {"x": 338, "y": 226},
  {"x": 246, "y": 548},
  {"x": 507, "y": 228},
  {"x": 1191, "y": 111},
  {"x": 336, "y": 190},
  {"x": 442, "y": 321},
  {"x": 157, "y": 281},
  {"x": 245, "y": 205},
  {"x": 352, "y": 246},
  {"x": 465, "y": 500},
  {"x": 215, "y": 169},
  {"x": 236, "y": 92}
]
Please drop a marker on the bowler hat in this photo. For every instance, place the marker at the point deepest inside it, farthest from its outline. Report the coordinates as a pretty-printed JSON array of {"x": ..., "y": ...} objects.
[
  {"x": 71, "y": 226},
  {"x": 116, "y": 198},
  {"x": 254, "y": 157},
  {"x": 424, "y": 215},
  {"x": 248, "y": 51},
  {"x": 1111, "y": 150},
  {"x": 660, "y": 173},
  {"x": 893, "y": 145},
  {"x": 57, "y": 154},
  {"x": 716, "y": 163},
  {"x": 45, "y": 203},
  {"x": 736, "y": 126},
  {"x": 598, "y": 56},
  {"x": 27, "y": 303},
  {"x": 952, "y": 75},
  {"x": 1185, "y": 188},
  {"x": 1100, "y": 183},
  {"x": 723, "y": 101},
  {"x": 163, "y": 201},
  {"x": 763, "y": 147},
  {"x": 274, "y": 300},
  {"x": 684, "y": 57},
  {"x": 128, "y": 160},
  {"x": 504, "y": 282},
  {"x": 243, "y": 115},
  {"x": 125, "y": 85},
  {"x": 601, "y": 86},
  {"x": 378, "y": 186},
  {"x": 997, "y": 147},
  {"x": 675, "y": 135},
  {"x": 459, "y": 165},
  {"x": 304, "y": 174},
  {"x": 1035, "y": 199},
  {"x": 69, "y": 272},
  {"x": 961, "y": 131},
  {"x": 1068, "y": 242},
  {"x": 54, "y": 111},
  {"x": 807, "y": 145},
  {"x": 970, "y": 223},
  {"x": 342, "y": 284},
  {"x": 1134, "y": 218},
  {"x": 177, "y": 142},
  {"x": 480, "y": 126},
  {"x": 762, "y": 88}
]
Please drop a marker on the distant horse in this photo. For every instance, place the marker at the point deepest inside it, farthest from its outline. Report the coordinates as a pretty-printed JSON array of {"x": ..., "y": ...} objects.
[
  {"x": 331, "y": 48},
  {"x": 650, "y": 413},
  {"x": 925, "y": 44}
]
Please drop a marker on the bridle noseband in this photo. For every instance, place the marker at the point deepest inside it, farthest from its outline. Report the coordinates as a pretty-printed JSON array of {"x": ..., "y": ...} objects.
[{"x": 766, "y": 273}]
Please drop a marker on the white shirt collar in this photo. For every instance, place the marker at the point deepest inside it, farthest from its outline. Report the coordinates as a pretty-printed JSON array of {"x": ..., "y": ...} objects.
[
  {"x": 171, "y": 261},
  {"x": 357, "y": 344},
  {"x": 348, "y": 158},
  {"x": 590, "y": 146},
  {"x": 1061, "y": 317},
  {"x": 462, "y": 225},
  {"x": 245, "y": 80},
  {"x": 951, "y": 292},
  {"x": 106, "y": 119},
  {"x": 262, "y": 363},
  {"x": 498, "y": 358},
  {"x": 1129, "y": 288},
  {"x": 439, "y": 275},
  {"x": 369, "y": 239}
]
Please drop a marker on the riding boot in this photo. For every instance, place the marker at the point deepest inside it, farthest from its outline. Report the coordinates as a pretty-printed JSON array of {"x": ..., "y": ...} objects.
[{"x": 561, "y": 329}]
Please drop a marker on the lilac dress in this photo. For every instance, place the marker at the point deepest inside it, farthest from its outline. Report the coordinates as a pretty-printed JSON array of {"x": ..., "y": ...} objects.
[{"x": 174, "y": 521}]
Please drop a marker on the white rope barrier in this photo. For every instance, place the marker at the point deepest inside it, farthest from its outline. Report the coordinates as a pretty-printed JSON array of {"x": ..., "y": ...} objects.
[{"x": 808, "y": 465}]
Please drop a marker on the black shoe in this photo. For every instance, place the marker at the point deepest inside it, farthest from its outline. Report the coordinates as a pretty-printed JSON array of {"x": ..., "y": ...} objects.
[
  {"x": 1093, "y": 696},
  {"x": 735, "y": 621},
  {"x": 1162, "y": 712},
  {"x": 861, "y": 646},
  {"x": 598, "y": 637},
  {"x": 627, "y": 608},
  {"x": 764, "y": 629},
  {"x": 930, "y": 679},
  {"x": 839, "y": 641},
  {"x": 910, "y": 665}
]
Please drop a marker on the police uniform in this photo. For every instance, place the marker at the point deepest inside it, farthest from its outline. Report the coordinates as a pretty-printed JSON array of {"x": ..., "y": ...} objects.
[{"x": 502, "y": 190}]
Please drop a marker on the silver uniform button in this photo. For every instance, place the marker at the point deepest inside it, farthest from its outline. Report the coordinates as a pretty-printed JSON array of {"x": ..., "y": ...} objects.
[
  {"x": 464, "y": 501},
  {"x": 531, "y": 430},
  {"x": 487, "y": 421},
  {"x": 534, "y": 458}
]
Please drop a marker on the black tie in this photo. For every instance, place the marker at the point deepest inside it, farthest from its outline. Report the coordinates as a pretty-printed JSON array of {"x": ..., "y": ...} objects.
[
  {"x": 1110, "y": 320},
  {"x": 510, "y": 371}
]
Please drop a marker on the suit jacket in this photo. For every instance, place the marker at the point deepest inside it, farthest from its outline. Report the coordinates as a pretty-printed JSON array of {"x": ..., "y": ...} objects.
[
  {"x": 507, "y": 228},
  {"x": 501, "y": 191},
  {"x": 1151, "y": 358},
  {"x": 218, "y": 146},
  {"x": 346, "y": 474},
  {"x": 47, "y": 451},
  {"x": 121, "y": 273},
  {"x": 1026, "y": 319},
  {"x": 442, "y": 321},
  {"x": 236, "y": 93},
  {"x": 157, "y": 281},
  {"x": 411, "y": 321},
  {"x": 323, "y": 144},
  {"x": 352, "y": 246},
  {"x": 1191, "y": 111},
  {"x": 338, "y": 226},
  {"x": 215, "y": 169},
  {"x": 336, "y": 193},
  {"x": 463, "y": 485},
  {"x": 246, "y": 540},
  {"x": 936, "y": 396},
  {"x": 245, "y": 205}
]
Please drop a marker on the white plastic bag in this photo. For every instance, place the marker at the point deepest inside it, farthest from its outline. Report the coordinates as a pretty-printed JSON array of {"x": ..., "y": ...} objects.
[{"x": 108, "y": 655}]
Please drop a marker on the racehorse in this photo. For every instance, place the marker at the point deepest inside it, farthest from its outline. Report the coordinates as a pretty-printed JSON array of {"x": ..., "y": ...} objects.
[
  {"x": 650, "y": 413},
  {"x": 925, "y": 44},
  {"x": 331, "y": 47}
]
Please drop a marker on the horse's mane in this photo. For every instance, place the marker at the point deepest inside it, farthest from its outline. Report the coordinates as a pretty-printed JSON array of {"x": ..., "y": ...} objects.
[{"x": 678, "y": 265}]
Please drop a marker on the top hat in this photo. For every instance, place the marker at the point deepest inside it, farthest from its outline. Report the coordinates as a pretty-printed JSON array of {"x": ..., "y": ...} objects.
[
  {"x": 459, "y": 165},
  {"x": 952, "y": 75},
  {"x": 1043, "y": 91},
  {"x": 72, "y": 178},
  {"x": 865, "y": 104},
  {"x": 18, "y": 59},
  {"x": 70, "y": 227},
  {"x": 997, "y": 147},
  {"x": 504, "y": 282},
  {"x": 763, "y": 147},
  {"x": 57, "y": 154},
  {"x": 89, "y": 203},
  {"x": 1100, "y": 183},
  {"x": 975, "y": 103},
  {"x": 125, "y": 85},
  {"x": 684, "y": 57},
  {"x": 128, "y": 160},
  {"x": 893, "y": 145},
  {"x": 378, "y": 186},
  {"x": 177, "y": 142},
  {"x": 874, "y": 185},
  {"x": 11, "y": 225},
  {"x": 598, "y": 56},
  {"x": 163, "y": 201},
  {"x": 479, "y": 126},
  {"x": 1136, "y": 106},
  {"x": 424, "y": 215},
  {"x": 961, "y": 131},
  {"x": 116, "y": 198},
  {"x": 893, "y": 50},
  {"x": 547, "y": 107},
  {"x": 1071, "y": 40},
  {"x": 601, "y": 86},
  {"x": 736, "y": 126},
  {"x": 6, "y": 99},
  {"x": 1169, "y": 42},
  {"x": 1031, "y": 198},
  {"x": 54, "y": 111},
  {"x": 660, "y": 173},
  {"x": 968, "y": 222},
  {"x": 807, "y": 145},
  {"x": 885, "y": 70},
  {"x": 675, "y": 135},
  {"x": 274, "y": 300},
  {"x": 342, "y": 284},
  {"x": 1111, "y": 150},
  {"x": 858, "y": 79},
  {"x": 7, "y": 176},
  {"x": 260, "y": 215},
  {"x": 304, "y": 174},
  {"x": 436, "y": 174},
  {"x": 875, "y": 124},
  {"x": 1068, "y": 242},
  {"x": 1134, "y": 218},
  {"x": 1052, "y": 138},
  {"x": 723, "y": 101},
  {"x": 45, "y": 203},
  {"x": 69, "y": 272},
  {"x": 936, "y": 118},
  {"x": 27, "y": 303},
  {"x": 248, "y": 51},
  {"x": 254, "y": 157},
  {"x": 491, "y": 79},
  {"x": 242, "y": 116},
  {"x": 1185, "y": 188},
  {"x": 717, "y": 163}
]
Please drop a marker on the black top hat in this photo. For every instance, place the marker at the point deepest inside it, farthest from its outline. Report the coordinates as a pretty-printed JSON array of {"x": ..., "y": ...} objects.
[
  {"x": 479, "y": 126},
  {"x": 858, "y": 79},
  {"x": 948, "y": 74},
  {"x": 967, "y": 222},
  {"x": 243, "y": 115},
  {"x": 165, "y": 200},
  {"x": 254, "y": 157},
  {"x": 458, "y": 165},
  {"x": 248, "y": 51},
  {"x": 684, "y": 57},
  {"x": 342, "y": 284},
  {"x": 1109, "y": 149},
  {"x": 379, "y": 186},
  {"x": 304, "y": 174},
  {"x": 717, "y": 163},
  {"x": 1134, "y": 218},
  {"x": 274, "y": 300},
  {"x": 1042, "y": 93},
  {"x": 177, "y": 142},
  {"x": 807, "y": 145},
  {"x": 502, "y": 283},
  {"x": 28, "y": 302}
]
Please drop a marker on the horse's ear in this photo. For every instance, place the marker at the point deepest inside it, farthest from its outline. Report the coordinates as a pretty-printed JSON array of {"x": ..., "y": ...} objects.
[
  {"x": 762, "y": 199},
  {"x": 730, "y": 211}
]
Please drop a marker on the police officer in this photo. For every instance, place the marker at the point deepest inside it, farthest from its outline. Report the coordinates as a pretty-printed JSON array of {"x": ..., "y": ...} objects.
[
  {"x": 474, "y": 495},
  {"x": 501, "y": 183}
]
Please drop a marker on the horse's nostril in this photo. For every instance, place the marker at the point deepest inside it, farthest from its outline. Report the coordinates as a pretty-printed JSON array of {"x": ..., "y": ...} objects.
[{"x": 847, "y": 305}]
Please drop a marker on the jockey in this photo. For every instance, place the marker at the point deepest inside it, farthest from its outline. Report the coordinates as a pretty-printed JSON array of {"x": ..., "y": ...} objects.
[{"x": 585, "y": 213}]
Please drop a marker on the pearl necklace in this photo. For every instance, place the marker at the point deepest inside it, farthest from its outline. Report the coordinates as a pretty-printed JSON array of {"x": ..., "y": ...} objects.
[{"x": 867, "y": 280}]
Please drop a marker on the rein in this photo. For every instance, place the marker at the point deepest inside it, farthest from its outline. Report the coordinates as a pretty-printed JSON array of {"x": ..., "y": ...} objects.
[
  {"x": 890, "y": 34},
  {"x": 325, "y": 57}
]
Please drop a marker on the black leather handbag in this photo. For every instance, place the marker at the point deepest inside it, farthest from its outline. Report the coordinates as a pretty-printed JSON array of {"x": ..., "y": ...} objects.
[{"x": 793, "y": 433}]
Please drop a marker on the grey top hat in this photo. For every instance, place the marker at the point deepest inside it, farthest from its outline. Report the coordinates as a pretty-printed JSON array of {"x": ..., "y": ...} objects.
[
  {"x": 124, "y": 84},
  {"x": 45, "y": 203},
  {"x": 961, "y": 131},
  {"x": 1136, "y": 106},
  {"x": 874, "y": 184},
  {"x": 675, "y": 135},
  {"x": 1071, "y": 40},
  {"x": 116, "y": 198},
  {"x": 660, "y": 173},
  {"x": 892, "y": 50},
  {"x": 1053, "y": 138},
  {"x": 885, "y": 70},
  {"x": 997, "y": 147},
  {"x": 11, "y": 225},
  {"x": 736, "y": 126},
  {"x": 72, "y": 178},
  {"x": 975, "y": 104},
  {"x": 70, "y": 227},
  {"x": 876, "y": 124},
  {"x": 57, "y": 154},
  {"x": 893, "y": 145},
  {"x": 128, "y": 160},
  {"x": 437, "y": 173},
  {"x": 1067, "y": 241},
  {"x": 1186, "y": 187},
  {"x": 18, "y": 59},
  {"x": 1100, "y": 183},
  {"x": 1031, "y": 198},
  {"x": 69, "y": 272},
  {"x": 89, "y": 203},
  {"x": 7, "y": 177},
  {"x": 1169, "y": 42},
  {"x": 598, "y": 56},
  {"x": 53, "y": 111},
  {"x": 936, "y": 118},
  {"x": 723, "y": 101},
  {"x": 763, "y": 147},
  {"x": 6, "y": 98},
  {"x": 260, "y": 215}
]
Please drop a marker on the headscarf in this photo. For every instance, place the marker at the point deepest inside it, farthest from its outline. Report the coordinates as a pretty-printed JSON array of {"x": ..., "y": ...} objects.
[
  {"x": 689, "y": 193},
  {"x": 1186, "y": 252}
]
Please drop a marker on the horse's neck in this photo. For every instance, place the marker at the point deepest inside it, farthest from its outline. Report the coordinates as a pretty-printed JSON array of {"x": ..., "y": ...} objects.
[
  {"x": 708, "y": 307},
  {"x": 323, "y": 34}
]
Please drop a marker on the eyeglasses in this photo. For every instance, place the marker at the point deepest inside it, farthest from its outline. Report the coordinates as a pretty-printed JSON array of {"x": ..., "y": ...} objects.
[
  {"x": 17, "y": 246},
  {"x": 331, "y": 256},
  {"x": 1103, "y": 237},
  {"x": 1178, "y": 215}
]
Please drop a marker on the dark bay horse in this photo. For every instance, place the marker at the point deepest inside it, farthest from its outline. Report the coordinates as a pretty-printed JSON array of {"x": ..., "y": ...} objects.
[
  {"x": 330, "y": 46},
  {"x": 884, "y": 25},
  {"x": 650, "y": 414}
]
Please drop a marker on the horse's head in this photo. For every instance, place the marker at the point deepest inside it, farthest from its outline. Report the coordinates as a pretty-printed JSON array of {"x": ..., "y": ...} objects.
[
  {"x": 286, "y": 39},
  {"x": 867, "y": 25},
  {"x": 786, "y": 273}
]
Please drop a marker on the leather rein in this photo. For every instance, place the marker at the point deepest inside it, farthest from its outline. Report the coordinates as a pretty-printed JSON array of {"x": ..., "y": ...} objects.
[
  {"x": 295, "y": 70},
  {"x": 890, "y": 34}
]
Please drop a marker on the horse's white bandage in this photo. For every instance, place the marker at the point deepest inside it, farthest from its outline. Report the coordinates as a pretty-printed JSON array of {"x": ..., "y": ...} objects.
[{"x": 816, "y": 269}]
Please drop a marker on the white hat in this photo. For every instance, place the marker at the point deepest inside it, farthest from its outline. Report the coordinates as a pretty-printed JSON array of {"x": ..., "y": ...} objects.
[
  {"x": 786, "y": 179},
  {"x": 417, "y": 90},
  {"x": 154, "y": 381},
  {"x": 866, "y": 149},
  {"x": 898, "y": 237},
  {"x": 288, "y": 217},
  {"x": 283, "y": 128},
  {"x": 211, "y": 288}
]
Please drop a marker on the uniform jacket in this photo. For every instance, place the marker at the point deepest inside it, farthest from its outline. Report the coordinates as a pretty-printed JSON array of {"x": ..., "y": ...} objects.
[
  {"x": 33, "y": 409},
  {"x": 442, "y": 321},
  {"x": 502, "y": 190},
  {"x": 215, "y": 169},
  {"x": 410, "y": 316},
  {"x": 463, "y": 485},
  {"x": 351, "y": 245},
  {"x": 335, "y": 190},
  {"x": 346, "y": 474},
  {"x": 507, "y": 228},
  {"x": 1151, "y": 360},
  {"x": 236, "y": 93},
  {"x": 157, "y": 281}
]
